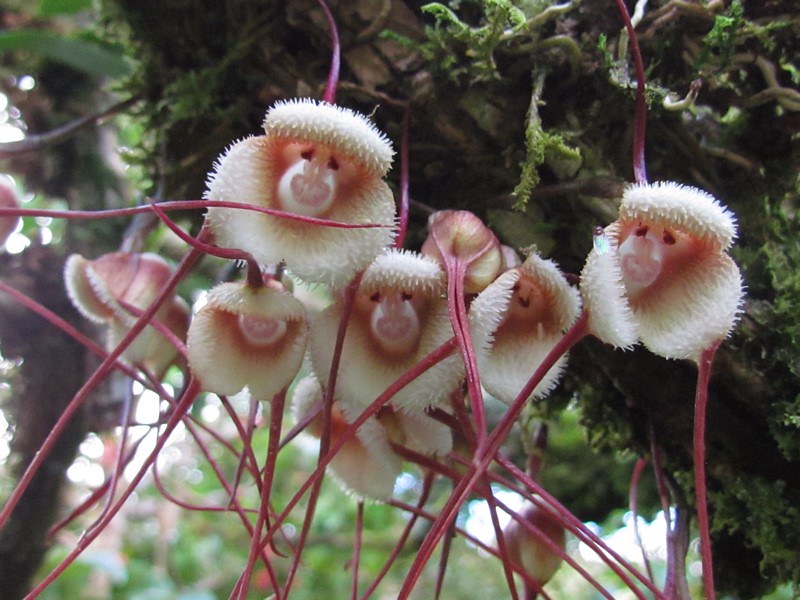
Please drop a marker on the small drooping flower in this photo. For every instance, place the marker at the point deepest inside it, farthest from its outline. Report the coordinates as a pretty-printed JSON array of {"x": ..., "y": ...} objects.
[
  {"x": 399, "y": 316},
  {"x": 661, "y": 273},
  {"x": 245, "y": 336},
  {"x": 516, "y": 321},
  {"x": 314, "y": 160},
  {"x": 366, "y": 465},
  {"x": 531, "y": 552},
  {"x": 103, "y": 288}
]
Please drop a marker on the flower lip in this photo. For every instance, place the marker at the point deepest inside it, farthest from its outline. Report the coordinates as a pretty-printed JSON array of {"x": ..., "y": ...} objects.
[{"x": 340, "y": 129}]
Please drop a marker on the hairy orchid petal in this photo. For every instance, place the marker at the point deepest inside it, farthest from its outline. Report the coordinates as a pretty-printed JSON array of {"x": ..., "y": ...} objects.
[
  {"x": 352, "y": 134},
  {"x": 698, "y": 309},
  {"x": 150, "y": 348},
  {"x": 315, "y": 160},
  {"x": 247, "y": 337},
  {"x": 406, "y": 291},
  {"x": 605, "y": 296},
  {"x": 516, "y": 321},
  {"x": 688, "y": 209},
  {"x": 98, "y": 287},
  {"x": 420, "y": 433},
  {"x": 365, "y": 466}
]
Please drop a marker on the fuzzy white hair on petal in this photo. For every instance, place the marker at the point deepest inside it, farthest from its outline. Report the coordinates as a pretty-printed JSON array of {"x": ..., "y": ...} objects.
[
  {"x": 341, "y": 129},
  {"x": 404, "y": 270},
  {"x": 488, "y": 310},
  {"x": 687, "y": 208},
  {"x": 81, "y": 291},
  {"x": 700, "y": 307},
  {"x": 516, "y": 321},
  {"x": 610, "y": 317}
]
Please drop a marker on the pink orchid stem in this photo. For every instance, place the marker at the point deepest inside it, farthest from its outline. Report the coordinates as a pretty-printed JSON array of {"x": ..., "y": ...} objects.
[
  {"x": 546, "y": 501},
  {"x": 403, "y": 201},
  {"x": 700, "y": 404},
  {"x": 333, "y": 74},
  {"x": 255, "y": 279},
  {"x": 456, "y": 273},
  {"x": 276, "y": 418},
  {"x": 327, "y": 408},
  {"x": 633, "y": 505},
  {"x": 359, "y": 534},
  {"x": 431, "y": 360},
  {"x": 640, "y": 117},
  {"x": 170, "y": 205},
  {"x": 427, "y": 485}
]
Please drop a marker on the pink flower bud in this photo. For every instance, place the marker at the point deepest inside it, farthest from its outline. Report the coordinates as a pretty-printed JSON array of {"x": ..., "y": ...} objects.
[
  {"x": 460, "y": 235},
  {"x": 529, "y": 551}
]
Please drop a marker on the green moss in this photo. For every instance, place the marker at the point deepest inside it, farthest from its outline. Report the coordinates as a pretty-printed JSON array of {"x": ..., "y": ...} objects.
[{"x": 767, "y": 514}]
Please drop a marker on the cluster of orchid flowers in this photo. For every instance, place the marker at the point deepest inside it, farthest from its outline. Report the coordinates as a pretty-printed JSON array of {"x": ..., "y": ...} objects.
[{"x": 463, "y": 309}]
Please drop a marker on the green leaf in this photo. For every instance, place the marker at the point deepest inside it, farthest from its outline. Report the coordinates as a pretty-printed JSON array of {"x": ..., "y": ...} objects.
[
  {"x": 78, "y": 54},
  {"x": 52, "y": 8}
]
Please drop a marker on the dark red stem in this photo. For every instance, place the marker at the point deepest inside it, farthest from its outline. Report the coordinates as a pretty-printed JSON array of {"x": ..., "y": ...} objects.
[
  {"x": 333, "y": 73},
  {"x": 402, "y": 205},
  {"x": 700, "y": 404},
  {"x": 640, "y": 116}
]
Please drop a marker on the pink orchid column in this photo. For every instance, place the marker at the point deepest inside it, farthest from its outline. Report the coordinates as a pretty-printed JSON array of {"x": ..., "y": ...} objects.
[{"x": 314, "y": 160}]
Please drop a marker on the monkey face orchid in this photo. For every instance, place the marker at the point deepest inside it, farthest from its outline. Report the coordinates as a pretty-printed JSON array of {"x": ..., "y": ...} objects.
[
  {"x": 660, "y": 273},
  {"x": 400, "y": 315},
  {"x": 244, "y": 336},
  {"x": 103, "y": 288},
  {"x": 516, "y": 321},
  {"x": 315, "y": 160}
]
